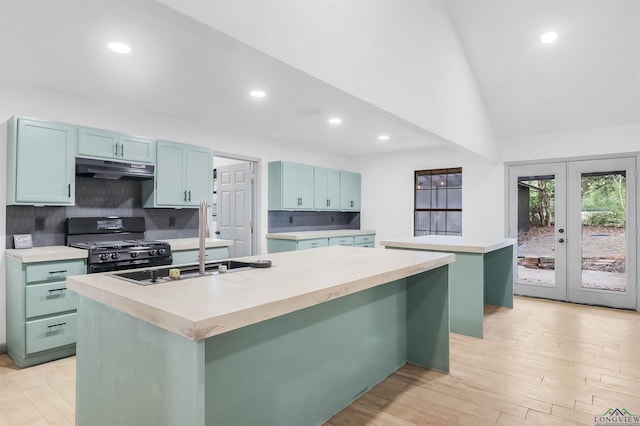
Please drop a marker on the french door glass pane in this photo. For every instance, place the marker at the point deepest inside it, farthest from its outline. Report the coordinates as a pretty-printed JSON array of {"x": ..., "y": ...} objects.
[
  {"x": 536, "y": 230},
  {"x": 604, "y": 243}
]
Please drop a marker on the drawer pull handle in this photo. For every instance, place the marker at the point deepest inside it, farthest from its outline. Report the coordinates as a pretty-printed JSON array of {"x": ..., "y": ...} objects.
[
  {"x": 56, "y": 325},
  {"x": 63, "y": 272},
  {"x": 57, "y": 290}
]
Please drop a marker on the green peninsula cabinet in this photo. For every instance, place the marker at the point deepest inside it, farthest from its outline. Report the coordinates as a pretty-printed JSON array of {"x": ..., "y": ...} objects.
[
  {"x": 41, "y": 312},
  {"x": 326, "y": 189},
  {"x": 290, "y": 186},
  {"x": 40, "y": 163},
  {"x": 184, "y": 176},
  {"x": 97, "y": 143},
  {"x": 482, "y": 274}
]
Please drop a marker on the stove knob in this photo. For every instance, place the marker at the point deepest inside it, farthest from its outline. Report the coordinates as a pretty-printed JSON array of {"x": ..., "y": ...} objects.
[
  {"x": 115, "y": 255},
  {"x": 160, "y": 252},
  {"x": 152, "y": 252},
  {"x": 104, "y": 256},
  {"x": 134, "y": 254}
]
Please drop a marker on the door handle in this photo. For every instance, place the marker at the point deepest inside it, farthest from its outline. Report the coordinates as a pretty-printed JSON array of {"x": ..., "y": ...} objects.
[{"x": 561, "y": 240}]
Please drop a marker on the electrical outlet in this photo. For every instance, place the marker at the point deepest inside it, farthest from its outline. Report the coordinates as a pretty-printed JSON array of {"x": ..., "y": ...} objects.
[
  {"x": 172, "y": 221},
  {"x": 40, "y": 224},
  {"x": 290, "y": 219}
]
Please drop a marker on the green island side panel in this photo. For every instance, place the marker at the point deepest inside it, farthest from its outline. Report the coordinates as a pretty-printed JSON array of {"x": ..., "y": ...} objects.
[
  {"x": 428, "y": 319},
  {"x": 498, "y": 277},
  {"x": 130, "y": 372},
  {"x": 466, "y": 294}
]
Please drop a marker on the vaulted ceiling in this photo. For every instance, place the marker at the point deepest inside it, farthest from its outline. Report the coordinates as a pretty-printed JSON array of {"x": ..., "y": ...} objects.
[{"x": 193, "y": 61}]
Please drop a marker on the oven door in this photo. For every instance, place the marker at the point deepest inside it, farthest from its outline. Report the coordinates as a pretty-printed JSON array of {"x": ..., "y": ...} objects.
[{"x": 129, "y": 264}]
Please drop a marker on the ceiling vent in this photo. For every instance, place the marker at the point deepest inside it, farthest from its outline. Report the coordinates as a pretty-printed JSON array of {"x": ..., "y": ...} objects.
[{"x": 309, "y": 112}]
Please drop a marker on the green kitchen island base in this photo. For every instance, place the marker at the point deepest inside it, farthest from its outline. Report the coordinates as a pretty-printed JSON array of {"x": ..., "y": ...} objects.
[
  {"x": 482, "y": 274},
  {"x": 299, "y": 368}
]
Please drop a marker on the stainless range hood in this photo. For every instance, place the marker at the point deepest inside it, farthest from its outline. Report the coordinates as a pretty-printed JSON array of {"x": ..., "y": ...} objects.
[{"x": 107, "y": 169}]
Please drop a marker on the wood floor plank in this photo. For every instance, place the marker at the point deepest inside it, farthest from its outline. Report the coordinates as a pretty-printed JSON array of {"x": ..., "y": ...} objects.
[{"x": 540, "y": 363}]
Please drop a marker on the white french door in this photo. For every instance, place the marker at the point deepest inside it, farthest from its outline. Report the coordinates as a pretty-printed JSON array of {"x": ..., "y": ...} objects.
[{"x": 576, "y": 228}]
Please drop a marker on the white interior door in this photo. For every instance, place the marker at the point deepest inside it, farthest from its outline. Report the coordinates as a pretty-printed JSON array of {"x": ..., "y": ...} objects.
[
  {"x": 576, "y": 228},
  {"x": 235, "y": 221}
]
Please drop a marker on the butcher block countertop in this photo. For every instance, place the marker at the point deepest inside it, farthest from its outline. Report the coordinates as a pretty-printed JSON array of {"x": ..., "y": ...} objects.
[
  {"x": 201, "y": 307},
  {"x": 449, "y": 244},
  {"x": 46, "y": 254},
  {"x": 309, "y": 235}
]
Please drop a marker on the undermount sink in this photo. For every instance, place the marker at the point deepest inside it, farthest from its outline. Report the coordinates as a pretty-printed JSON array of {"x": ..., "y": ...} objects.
[{"x": 161, "y": 275}]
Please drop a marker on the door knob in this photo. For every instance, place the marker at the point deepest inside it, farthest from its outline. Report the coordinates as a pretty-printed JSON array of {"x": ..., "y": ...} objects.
[{"x": 561, "y": 240}]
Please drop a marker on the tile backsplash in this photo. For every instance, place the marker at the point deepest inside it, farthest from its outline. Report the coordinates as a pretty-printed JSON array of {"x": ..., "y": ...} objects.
[
  {"x": 290, "y": 221},
  {"x": 99, "y": 197}
]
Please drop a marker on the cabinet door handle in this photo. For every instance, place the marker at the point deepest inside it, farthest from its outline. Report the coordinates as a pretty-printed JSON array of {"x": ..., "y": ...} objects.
[
  {"x": 56, "y": 290},
  {"x": 121, "y": 150},
  {"x": 352, "y": 203},
  {"x": 328, "y": 203},
  {"x": 56, "y": 325},
  {"x": 189, "y": 195},
  {"x": 58, "y": 273},
  {"x": 69, "y": 190},
  {"x": 185, "y": 195},
  {"x": 115, "y": 154}
]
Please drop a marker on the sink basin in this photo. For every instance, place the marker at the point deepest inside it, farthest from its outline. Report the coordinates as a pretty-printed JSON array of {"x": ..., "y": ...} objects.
[{"x": 161, "y": 275}]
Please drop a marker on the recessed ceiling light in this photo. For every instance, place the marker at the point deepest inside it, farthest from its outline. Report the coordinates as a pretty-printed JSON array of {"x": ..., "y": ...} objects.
[
  {"x": 335, "y": 120},
  {"x": 549, "y": 37},
  {"x": 258, "y": 93},
  {"x": 383, "y": 137},
  {"x": 119, "y": 47}
]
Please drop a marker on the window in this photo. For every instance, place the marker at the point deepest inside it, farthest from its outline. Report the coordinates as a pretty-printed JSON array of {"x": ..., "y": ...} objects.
[{"x": 438, "y": 202}]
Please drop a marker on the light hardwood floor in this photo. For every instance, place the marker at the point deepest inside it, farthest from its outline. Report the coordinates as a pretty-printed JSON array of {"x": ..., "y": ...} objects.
[{"x": 542, "y": 363}]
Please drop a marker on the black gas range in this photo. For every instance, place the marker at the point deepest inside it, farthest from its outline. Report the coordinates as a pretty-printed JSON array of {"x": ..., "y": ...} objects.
[{"x": 116, "y": 243}]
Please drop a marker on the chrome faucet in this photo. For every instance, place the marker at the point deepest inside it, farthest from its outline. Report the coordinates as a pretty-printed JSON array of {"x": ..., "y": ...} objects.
[{"x": 203, "y": 233}]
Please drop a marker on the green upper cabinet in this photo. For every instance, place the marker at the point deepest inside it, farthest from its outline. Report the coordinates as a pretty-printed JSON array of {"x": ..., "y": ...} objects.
[
  {"x": 183, "y": 176},
  {"x": 326, "y": 189},
  {"x": 290, "y": 186},
  {"x": 350, "y": 191},
  {"x": 97, "y": 143},
  {"x": 40, "y": 163}
]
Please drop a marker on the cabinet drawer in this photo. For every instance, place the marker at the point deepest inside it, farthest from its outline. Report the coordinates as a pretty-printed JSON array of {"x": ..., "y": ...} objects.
[
  {"x": 50, "y": 332},
  {"x": 362, "y": 239},
  {"x": 54, "y": 271},
  {"x": 341, "y": 241},
  {"x": 315, "y": 243},
  {"x": 370, "y": 245},
  {"x": 45, "y": 299}
]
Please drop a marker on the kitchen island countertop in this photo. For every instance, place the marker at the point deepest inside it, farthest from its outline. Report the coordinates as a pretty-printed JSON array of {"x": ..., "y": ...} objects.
[
  {"x": 450, "y": 243},
  {"x": 202, "y": 307}
]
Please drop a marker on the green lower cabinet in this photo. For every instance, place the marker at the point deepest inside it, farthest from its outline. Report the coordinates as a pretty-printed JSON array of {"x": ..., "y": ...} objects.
[
  {"x": 41, "y": 312},
  {"x": 341, "y": 241},
  {"x": 277, "y": 245},
  {"x": 192, "y": 256}
]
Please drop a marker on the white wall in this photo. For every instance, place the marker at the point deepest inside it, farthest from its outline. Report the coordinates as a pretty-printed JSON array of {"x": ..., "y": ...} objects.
[
  {"x": 586, "y": 142},
  {"x": 32, "y": 102},
  {"x": 401, "y": 56},
  {"x": 388, "y": 197}
]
